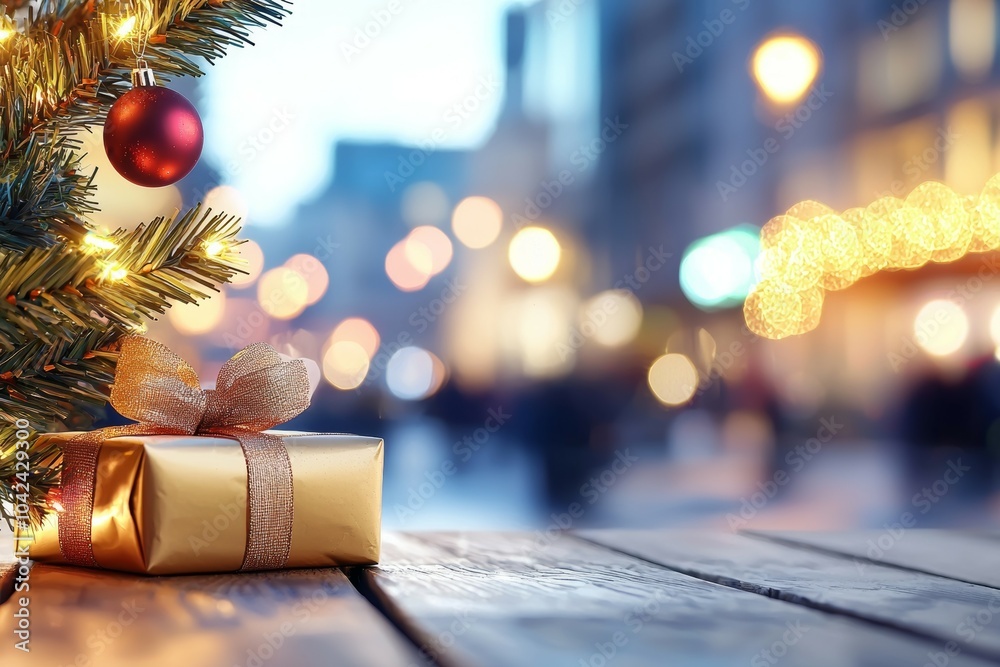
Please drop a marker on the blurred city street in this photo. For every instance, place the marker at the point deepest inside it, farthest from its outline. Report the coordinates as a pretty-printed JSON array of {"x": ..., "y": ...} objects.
[{"x": 516, "y": 240}]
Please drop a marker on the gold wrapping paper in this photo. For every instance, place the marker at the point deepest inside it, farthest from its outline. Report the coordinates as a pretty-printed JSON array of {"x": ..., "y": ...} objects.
[{"x": 177, "y": 504}]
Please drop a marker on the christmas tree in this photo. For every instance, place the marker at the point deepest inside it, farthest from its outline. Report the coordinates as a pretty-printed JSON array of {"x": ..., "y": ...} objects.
[{"x": 68, "y": 293}]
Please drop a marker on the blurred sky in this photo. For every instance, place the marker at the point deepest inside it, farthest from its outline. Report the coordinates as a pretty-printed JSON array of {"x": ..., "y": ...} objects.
[{"x": 316, "y": 80}]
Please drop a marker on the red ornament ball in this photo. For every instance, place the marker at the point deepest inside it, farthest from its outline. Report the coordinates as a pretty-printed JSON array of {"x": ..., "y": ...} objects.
[{"x": 153, "y": 136}]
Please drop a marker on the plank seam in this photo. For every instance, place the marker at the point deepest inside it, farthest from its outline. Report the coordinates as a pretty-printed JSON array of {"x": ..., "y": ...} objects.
[
  {"x": 864, "y": 559},
  {"x": 362, "y": 580},
  {"x": 793, "y": 598}
]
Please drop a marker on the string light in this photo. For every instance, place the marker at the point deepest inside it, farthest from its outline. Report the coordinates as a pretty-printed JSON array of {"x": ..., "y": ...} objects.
[
  {"x": 114, "y": 272},
  {"x": 126, "y": 27},
  {"x": 811, "y": 249},
  {"x": 94, "y": 242},
  {"x": 214, "y": 248}
]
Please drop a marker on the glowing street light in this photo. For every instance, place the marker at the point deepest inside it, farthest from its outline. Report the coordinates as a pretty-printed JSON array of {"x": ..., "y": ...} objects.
[{"x": 785, "y": 67}]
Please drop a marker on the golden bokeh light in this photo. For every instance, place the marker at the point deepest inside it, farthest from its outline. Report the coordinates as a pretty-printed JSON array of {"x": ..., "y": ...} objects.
[
  {"x": 673, "y": 379},
  {"x": 317, "y": 278},
  {"x": 811, "y": 250},
  {"x": 785, "y": 67},
  {"x": 534, "y": 254},
  {"x": 251, "y": 260},
  {"x": 357, "y": 330},
  {"x": 941, "y": 327},
  {"x": 283, "y": 293},
  {"x": 477, "y": 221},
  {"x": 429, "y": 249},
  {"x": 345, "y": 365},
  {"x": 614, "y": 318},
  {"x": 200, "y": 317},
  {"x": 402, "y": 272}
]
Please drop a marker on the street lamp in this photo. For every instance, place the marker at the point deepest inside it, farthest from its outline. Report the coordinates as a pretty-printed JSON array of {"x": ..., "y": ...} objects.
[{"x": 785, "y": 67}]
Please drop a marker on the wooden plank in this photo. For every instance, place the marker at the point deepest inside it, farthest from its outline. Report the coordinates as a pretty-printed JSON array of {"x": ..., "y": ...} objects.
[
  {"x": 305, "y": 618},
  {"x": 961, "y": 556},
  {"x": 516, "y": 599},
  {"x": 8, "y": 571},
  {"x": 941, "y": 609}
]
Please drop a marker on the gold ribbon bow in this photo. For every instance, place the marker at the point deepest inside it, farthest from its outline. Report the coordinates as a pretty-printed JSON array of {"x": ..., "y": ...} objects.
[{"x": 256, "y": 390}]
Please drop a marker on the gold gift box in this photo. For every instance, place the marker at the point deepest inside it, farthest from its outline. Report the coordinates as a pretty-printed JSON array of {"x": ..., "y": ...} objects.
[{"x": 169, "y": 504}]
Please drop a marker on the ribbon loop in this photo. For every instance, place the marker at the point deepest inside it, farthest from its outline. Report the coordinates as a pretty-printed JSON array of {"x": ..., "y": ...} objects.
[{"x": 256, "y": 390}]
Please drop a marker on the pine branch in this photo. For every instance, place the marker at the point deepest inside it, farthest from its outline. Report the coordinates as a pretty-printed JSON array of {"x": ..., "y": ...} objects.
[
  {"x": 167, "y": 260},
  {"x": 44, "y": 476},
  {"x": 65, "y": 309},
  {"x": 67, "y": 73},
  {"x": 43, "y": 195}
]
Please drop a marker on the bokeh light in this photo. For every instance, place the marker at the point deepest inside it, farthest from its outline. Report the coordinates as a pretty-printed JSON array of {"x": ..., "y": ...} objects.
[
  {"x": 402, "y": 272},
  {"x": 534, "y": 254},
  {"x": 357, "y": 330},
  {"x": 310, "y": 268},
  {"x": 120, "y": 204},
  {"x": 477, "y": 221},
  {"x": 424, "y": 204},
  {"x": 413, "y": 374},
  {"x": 718, "y": 271},
  {"x": 614, "y": 317},
  {"x": 251, "y": 260},
  {"x": 199, "y": 317},
  {"x": 673, "y": 379},
  {"x": 785, "y": 66},
  {"x": 941, "y": 327},
  {"x": 345, "y": 364},
  {"x": 226, "y": 199},
  {"x": 283, "y": 293},
  {"x": 429, "y": 250}
]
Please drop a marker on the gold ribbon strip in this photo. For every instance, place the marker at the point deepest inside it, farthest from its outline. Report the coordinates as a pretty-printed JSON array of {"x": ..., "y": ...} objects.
[{"x": 256, "y": 390}]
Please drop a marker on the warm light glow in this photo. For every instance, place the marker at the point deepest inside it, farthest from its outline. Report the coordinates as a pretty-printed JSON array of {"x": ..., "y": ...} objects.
[
  {"x": 785, "y": 67},
  {"x": 113, "y": 271},
  {"x": 972, "y": 37},
  {"x": 477, "y": 221},
  {"x": 57, "y": 506},
  {"x": 534, "y": 254},
  {"x": 214, "y": 248},
  {"x": 345, "y": 364},
  {"x": 94, "y": 242},
  {"x": 199, "y": 317},
  {"x": 413, "y": 374},
  {"x": 226, "y": 199},
  {"x": 995, "y": 326},
  {"x": 4, "y": 34},
  {"x": 804, "y": 257},
  {"x": 357, "y": 330},
  {"x": 283, "y": 293},
  {"x": 125, "y": 28},
  {"x": 543, "y": 321},
  {"x": 941, "y": 327},
  {"x": 402, "y": 272},
  {"x": 251, "y": 260},
  {"x": 613, "y": 317},
  {"x": 429, "y": 250},
  {"x": 673, "y": 379},
  {"x": 310, "y": 268}
]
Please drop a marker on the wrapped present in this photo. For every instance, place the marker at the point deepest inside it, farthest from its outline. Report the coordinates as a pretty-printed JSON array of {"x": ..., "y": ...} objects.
[{"x": 200, "y": 485}]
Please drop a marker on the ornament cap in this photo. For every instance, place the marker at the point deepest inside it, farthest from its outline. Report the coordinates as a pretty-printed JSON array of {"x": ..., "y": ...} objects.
[{"x": 142, "y": 75}]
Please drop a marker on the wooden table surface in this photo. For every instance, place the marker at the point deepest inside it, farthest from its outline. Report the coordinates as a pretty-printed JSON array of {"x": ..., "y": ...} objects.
[{"x": 587, "y": 599}]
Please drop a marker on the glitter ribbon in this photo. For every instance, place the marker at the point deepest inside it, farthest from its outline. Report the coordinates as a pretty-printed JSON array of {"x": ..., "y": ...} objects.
[{"x": 256, "y": 390}]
